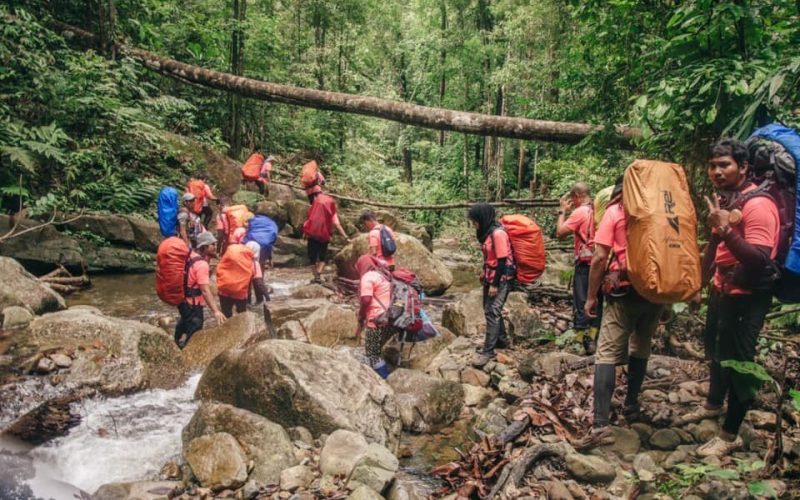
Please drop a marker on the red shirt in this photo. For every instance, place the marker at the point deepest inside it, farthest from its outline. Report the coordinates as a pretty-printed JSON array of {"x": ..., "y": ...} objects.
[
  {"x": 612, "y": 233},
  {"x": 760, "y": 225},
  {"x": 375, "y": 242},
  {"x": 374, "y": 285},
  {"x": 491, "y": 253},
  {"x": 581, "y": 222},
  {"x": 198, "y": 276}
]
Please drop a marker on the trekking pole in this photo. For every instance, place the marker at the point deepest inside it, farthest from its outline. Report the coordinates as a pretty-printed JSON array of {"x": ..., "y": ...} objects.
[{"x": 268, "y": 322}]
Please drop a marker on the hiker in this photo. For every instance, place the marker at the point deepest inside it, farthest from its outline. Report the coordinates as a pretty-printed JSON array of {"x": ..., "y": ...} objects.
[
  {"x": 199, "y": 187},
  {"x": 497, "y": 278},
  {"x": 580, "y": 224},
  {"x": 221, "y": 225},
  {"x": 189, "y": 225},
  {"x": 237, "y": 270},
  {"x": 376, "y": 244},
  {"x": 197, "y": 291},
  {"x": 627, "y": 326},
  {"x": 263, "y": 230},
  {"x": 374, "y": 291},
  {"x": 318, "y": 228},
  {"x": 258, "y": 169},
  {"x": 312, "y": 180},
  {"x": 741, "y": 288}
]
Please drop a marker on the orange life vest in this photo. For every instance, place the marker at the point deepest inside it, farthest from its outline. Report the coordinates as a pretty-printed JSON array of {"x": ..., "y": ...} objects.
[
  {"x": 251, "y": 170},
  {"x": 234, "y": 271}
]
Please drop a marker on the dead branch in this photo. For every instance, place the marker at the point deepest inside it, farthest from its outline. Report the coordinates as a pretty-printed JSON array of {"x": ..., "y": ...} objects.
[
  {"x": 13, "y": 233},
  {"x": 515, "y": 472},
  {"x": 63, "y": 289},
  {"x": 783, "y": 312},
  {"x": 58, "y": 271},
  {"x": 71, "y": 280}
]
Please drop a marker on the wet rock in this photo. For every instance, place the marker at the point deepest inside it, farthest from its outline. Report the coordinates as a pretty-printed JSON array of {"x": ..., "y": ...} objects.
[
  {"x": 313, "y": 291},
  {"x": 405, "y": 487},
  {"x": 301, "y": 434},
  {"x": 665, "y": 439},
  {"x": 512, "y": 388},
  {"x": 61, "y": 360},
  {"x": 645, "y": 467},
  {"x": 45, "y": 365},
  {"x": 474, "y": 377},
  {"x": 331, "y": 324},
  {"x": 296, "y": 212},
  {"x": 524, "y": 324},
  {"x": 112, "y": 228},
  {"x": 20, "y": 288},
  {"x": 376, "y": 468},
  {"x": 364, "y": 492},
  {"x": 549, "y": 364},
  {"x": 411, "y": 254},
  {"x": 209, "y": 343},
  {"x": 465, "y": 317},
  {"x": 294, "y": 478},
  {"x": 139, "y": 490},
  {"x": 426, "y": 403},
  {"x": 217, "y": 461},
  {"x": 292, "y": 383},
  {"x": 476, "y": 396},
  {"x": 171, "y": 470},
  {"x": 15, "y": 317},
  {"x": 114, "y": 355},
  {"x": 420, "y": 356},
  {"x": 556, "y": 490},
  {"x": 266, "y": 444},
  {"x": 643, "y": 430},
  {"x": 626, "y": 442},
  {"x": 341, "y": 452},
  {"x": 590, "y": 468}
]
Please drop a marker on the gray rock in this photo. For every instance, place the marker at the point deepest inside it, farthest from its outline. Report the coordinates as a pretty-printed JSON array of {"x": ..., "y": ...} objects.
[
  {"x": 524, "y": 324},
  {"x": 665, "y": 439},
  {"x": 20, "y": 288},
  {"x": 301, "y": 434},
  {"x": 15, "y": 317},
  {"x": 209, "y": 343},
  {"x": 61, "y": 360},
  {"x": 376, "y": 468},
  {"x": 465, "y": 317},
  {"x": 705, "y": 430},
  {"x": 293, "y": 383},
  {"x": 426, "y": 403},
  {"x": 364, "y": 492},
  {"x": 138, "y": 490},
  {"x": 45, "y": 365},
  {"x": 312, "y": 291},
  {"x": 476, "y": 396},
  {"x": 626, "y": 442},
  {"x": 217, "y": 461},
  {"x": 266, "y": 444},
  {"x": 297, "y": 211},
  {"x": 342, "y": 450},
  {"x": 590, "y": 468},
  {"x": 420, "y": 355},
  {"x": 556, "y": 490},
  {"x": 294, "y": 478},
  {"x": 645, "y": 467},
  {"x": 550, "y": 364}
]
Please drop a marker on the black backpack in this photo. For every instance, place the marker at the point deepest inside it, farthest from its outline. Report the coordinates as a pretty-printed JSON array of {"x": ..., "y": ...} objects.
[{"x": 388, "y": 245}]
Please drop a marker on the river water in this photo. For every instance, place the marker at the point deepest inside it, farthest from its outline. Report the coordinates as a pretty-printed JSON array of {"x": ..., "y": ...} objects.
[{"x": 131, "y": 437}]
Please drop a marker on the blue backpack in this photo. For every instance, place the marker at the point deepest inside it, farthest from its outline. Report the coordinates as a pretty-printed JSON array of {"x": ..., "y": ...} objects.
[
  {"x": 774, "y": 155},
  {"x": 262, "y": 230},
  {"x": 388, "y": 245},
  {"x": 168, "y": 211}
]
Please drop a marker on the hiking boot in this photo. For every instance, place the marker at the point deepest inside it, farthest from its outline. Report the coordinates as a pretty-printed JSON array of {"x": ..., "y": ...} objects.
[
  {"x": 632, "y": 413},
  {"x": 182, "y": 341},
  {"x": 698, "y": 414},
  {"x": 598, "y": 436},
  {"x": 316, "y": 281},
  {"x": 481, "y": 359},
  {"x": 720, "y": 447},
  {"x": 502, "y": 345}
]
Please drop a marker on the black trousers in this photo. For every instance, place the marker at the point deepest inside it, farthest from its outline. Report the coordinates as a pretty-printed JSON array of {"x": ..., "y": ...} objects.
[
  {"x": 190, "y": 321},
  {"x": 732, "y": 327},
  {"x": 206, "y": 214},
  {"x": 580, "y": 291},
  {"x": 226, "y": 304},
  {"x": 493, "y": 310}
]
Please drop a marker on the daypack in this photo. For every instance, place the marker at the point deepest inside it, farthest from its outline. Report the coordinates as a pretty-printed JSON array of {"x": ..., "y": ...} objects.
[
  {"x": 403, "y": 310},
  {"x": 237, "y": 216},
  {"x": 527, "y": 245},
  {"x": 319, "y": 222},
  {"x": 251, "y": 170},
  {"x": 235, "y": 271},
  {"x": 172, "y": 271},
  {"x": 662, "y": 253},
  {"x": 168, "y": 207},
  {"x": 308, "y": 175},
  {"x": 388, "y": 245},
  {"x": 198, "y": 189},
  {"x": 601, "y": 203},
  {"x": 263, "y": 231},
  {"x": 774, "y": 154}
]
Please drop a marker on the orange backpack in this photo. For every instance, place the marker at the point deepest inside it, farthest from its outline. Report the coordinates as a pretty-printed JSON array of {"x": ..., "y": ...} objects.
[
  {"x": 308, "y": 176},
  {"x": 528, "y": 246},
  {"x": 662, "y": 253},
  {"x": 172, "y": 267},
  {"x": 251, "y": 170},
  {"x": 198, "y": 189},
  {"x": 236, "y": 216},
  {"x": 234, "y": 271}
]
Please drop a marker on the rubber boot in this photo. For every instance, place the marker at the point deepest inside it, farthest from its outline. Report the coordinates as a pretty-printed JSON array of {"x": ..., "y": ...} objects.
[
  {"x": 637, "y": 369},
  {"x": 604, "y": 379}
]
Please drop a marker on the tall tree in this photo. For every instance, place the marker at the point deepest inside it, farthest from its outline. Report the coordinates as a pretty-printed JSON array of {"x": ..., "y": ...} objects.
[{"x": 237, "y": 68}]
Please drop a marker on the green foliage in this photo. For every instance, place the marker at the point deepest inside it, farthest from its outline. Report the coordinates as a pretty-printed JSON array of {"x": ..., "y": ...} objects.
[
  {"x": 795, "y": 395},
  {"x": 761, "y": 489}
]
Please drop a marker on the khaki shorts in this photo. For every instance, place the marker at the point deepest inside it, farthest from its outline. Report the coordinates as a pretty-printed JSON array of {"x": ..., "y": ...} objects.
[{"x": 627, "y": 329}]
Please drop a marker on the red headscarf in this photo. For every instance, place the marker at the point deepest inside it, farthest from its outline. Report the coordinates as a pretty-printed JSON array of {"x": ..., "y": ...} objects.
[{"x": 367, "y": 263}]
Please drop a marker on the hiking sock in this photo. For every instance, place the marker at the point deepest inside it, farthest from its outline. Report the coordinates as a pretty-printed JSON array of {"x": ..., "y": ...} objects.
[
  {"x": 637, "y": 370},
  {"x": 604, "y": 379}
]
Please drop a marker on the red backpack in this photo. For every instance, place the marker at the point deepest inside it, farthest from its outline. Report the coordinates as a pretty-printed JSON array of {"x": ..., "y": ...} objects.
[
  {"x": 528, "y": 247},
  {"x": 172, "y": 271},
  {"x": 251, "y": 170},
  {"x": 319, "y": 223},
  {"x": 403, "y": 311}
]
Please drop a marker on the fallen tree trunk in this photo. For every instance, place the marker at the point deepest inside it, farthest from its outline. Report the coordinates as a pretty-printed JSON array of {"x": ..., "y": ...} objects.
[{"x": 412, "y": 114}]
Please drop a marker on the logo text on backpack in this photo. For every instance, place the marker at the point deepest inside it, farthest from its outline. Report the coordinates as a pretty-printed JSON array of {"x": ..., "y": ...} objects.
[{"x": 669, "y": 205}]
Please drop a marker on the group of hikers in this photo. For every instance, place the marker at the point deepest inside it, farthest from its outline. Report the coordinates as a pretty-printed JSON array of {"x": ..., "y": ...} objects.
[{"x": 635, "y": 253}]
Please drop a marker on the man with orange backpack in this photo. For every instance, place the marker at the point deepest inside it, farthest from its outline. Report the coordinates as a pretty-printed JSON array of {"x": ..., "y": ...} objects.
[
  {"x": 189, "y": 225},
  {"x": 202, "y": 194},
  {"x": 236, "y": 271},
  {"x": 381, "y": 239},
  {"x": 580, "y": 224},
  {"x": 259, "y": 170},
  {"x": 312, "y": 180}
]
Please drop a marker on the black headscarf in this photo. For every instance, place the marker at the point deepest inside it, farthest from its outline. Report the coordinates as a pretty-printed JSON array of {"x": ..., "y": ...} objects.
[{"x": 484, "y": 215}]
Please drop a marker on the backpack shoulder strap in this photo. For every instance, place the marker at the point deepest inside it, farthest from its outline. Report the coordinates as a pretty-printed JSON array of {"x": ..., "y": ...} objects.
[{"x": 190, "y": 292}]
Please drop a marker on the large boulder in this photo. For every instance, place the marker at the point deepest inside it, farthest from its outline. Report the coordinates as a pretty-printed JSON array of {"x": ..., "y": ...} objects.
[
  {"x": 217, "y": 461},
  {"x": 249, "y": 198},
  {"x": 274, "y": 210},
  {"x": 264, "y": 443},
  {"x": 522, "y": 320},
  {"x": 376, "y": 468},
  {"x": 453, "y": 363},
  {"x": 115, "y": 229},
  {"x": 465, "y": 317},
  {"x": 20, "y": 288},
  {"x": 417, "y": 356},
  {"x": 292, "y": 383},
  {"x": 146, "y": 233},
  {"x": 427, "y": 404},
  {"x": 340, "y": 453},
  {"x": 330, "y": 325},
  {"x": 296, "y": 212},
  {"x": 403, "y": 226},
  {"x": 284, "y": 311},
  {"x": 411, "y": 253},
  {"x": 113, "y": 355},
  {"x": 209, "y": 343}
]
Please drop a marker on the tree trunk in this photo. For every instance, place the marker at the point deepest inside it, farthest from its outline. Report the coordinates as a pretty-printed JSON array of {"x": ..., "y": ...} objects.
[
  {"x": 411, "y": 114},
  {"x": 107, "y": 26},
  {"x": 466, "y": 166},
  {"x": 442, "y": 62},
  {"x": 237, "y": 68},
  {"x": 520, "y": 167}
]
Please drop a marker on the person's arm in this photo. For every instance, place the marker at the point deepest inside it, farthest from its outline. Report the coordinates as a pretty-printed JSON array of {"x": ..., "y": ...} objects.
[
  {"x": 596, "y": 271},
  {"x": 209, "y": 194},
  {"x": 184, "y": 233},
  {"x": 339, "y": 227},
  {"x": 755, "y": 258},
  {"x": 206, "y": 289},
  {"x": 374, "y": 243},
  {"x": 562, "y": 228},
  {"x": 364, "y": 304},
  {"x": 499, "y": 272}
]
